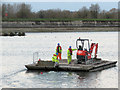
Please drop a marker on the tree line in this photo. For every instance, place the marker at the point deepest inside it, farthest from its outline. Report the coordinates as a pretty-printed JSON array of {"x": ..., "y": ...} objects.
[{"x": 25, "y": 11}]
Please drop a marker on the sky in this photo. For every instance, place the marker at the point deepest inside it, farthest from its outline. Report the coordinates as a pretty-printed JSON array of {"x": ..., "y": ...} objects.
[{"x": 72, "y": 6}]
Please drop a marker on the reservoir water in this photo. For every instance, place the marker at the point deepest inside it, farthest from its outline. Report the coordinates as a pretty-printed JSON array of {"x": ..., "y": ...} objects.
[{"x": 16, "y": 51}]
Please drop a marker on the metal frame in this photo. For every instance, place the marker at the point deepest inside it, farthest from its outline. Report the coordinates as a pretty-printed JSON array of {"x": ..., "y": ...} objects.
[
  {"x": 34, "y": 56},
  {"x": 82, "y": 41}
]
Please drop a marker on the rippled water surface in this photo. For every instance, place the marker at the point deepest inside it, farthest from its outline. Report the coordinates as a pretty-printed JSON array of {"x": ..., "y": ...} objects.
[{"x": 18, "y": 51}]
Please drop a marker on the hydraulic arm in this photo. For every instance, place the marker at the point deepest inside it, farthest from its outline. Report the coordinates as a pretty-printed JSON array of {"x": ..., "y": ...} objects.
[{"x": 94, "y": 45}]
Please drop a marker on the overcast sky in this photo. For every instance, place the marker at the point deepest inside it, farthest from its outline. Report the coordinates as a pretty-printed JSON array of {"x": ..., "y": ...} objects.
[{"x": 72, "y": 6}]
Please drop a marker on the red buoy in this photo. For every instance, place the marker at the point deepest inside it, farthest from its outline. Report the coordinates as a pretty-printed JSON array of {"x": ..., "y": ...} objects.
[
  {"x": 39, "y": 59},
  {"x": 41, "y": 72}
]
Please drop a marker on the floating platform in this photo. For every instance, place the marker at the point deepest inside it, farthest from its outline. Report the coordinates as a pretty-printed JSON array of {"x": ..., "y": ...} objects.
[{"x": 90, "y": 65}]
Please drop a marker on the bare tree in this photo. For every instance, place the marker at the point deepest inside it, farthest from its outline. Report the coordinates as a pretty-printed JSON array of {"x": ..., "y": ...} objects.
[
  {"x": 25, "y": 11},
  {"x": 102, "y": 14},
  {"x": 84, "y": 12},
  {"x": 41, "y": 14},
  {"x": 4, "y": 7},
  {"x": 94, "y": 10},
  {"x": 114, "y": 13},
  {"x": 66, "y": 14}
]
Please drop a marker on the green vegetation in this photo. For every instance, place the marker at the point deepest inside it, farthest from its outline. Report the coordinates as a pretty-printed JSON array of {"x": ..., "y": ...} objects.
[{"x": 57, "y": 20}]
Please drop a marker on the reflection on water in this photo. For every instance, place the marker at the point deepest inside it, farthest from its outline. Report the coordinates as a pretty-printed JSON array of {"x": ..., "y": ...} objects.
[
  {"x": 18, "y": 51},
  {"x": 75, "y": 79}
]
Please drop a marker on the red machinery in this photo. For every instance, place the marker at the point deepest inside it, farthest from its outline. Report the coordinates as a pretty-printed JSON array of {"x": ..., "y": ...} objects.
[{"x": 84, "y": 50}]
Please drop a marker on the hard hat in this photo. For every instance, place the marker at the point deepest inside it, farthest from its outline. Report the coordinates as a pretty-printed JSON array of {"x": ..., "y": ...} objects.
[
  {"x": 69, "y": 46},
  {"x": 58, "y": 43},
  {"x": 56, "y": 53}
]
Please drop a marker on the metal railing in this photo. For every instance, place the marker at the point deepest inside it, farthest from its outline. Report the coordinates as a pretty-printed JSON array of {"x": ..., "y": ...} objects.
[{"x": 35, "y": 57}]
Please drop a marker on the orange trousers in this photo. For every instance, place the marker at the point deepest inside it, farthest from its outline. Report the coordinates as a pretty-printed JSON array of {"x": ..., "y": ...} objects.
[{"x": 59, "y": 55}]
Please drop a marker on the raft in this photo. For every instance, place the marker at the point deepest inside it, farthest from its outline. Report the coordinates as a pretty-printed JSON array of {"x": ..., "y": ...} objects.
[{"x": 90, "y": 65}]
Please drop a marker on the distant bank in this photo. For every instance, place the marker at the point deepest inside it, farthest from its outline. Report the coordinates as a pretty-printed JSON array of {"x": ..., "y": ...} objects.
[{"x": 60, "y": 26}]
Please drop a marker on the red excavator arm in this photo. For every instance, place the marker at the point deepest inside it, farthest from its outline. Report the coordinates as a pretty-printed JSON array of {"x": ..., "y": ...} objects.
[{"x": 96, "y": 48}]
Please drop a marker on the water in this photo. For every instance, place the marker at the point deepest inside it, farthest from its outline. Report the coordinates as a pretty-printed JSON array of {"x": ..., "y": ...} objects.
[{"x": 18, "y": 51}]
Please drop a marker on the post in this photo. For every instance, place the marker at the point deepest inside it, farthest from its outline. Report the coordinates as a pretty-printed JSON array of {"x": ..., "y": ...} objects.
[
  {"x": 86, "y": 59},
  {"x": 37, "y": 55},
  {"x": 33, "y": 57}
]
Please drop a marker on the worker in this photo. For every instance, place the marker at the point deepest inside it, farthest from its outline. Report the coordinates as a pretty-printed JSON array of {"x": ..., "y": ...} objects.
[
  {"x": 54, "y": 58},
  {"x": 59, "y": 51},
  {"x": 69, "y": 54},
  {"x": 80, "y": 47}
]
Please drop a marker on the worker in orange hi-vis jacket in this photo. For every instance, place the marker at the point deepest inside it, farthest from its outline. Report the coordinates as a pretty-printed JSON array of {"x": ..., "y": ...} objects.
[{"x": 59, "y": 51}]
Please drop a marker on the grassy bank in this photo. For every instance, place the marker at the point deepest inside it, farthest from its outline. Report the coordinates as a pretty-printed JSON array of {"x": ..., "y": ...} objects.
[{"x": 57, "y": 20}]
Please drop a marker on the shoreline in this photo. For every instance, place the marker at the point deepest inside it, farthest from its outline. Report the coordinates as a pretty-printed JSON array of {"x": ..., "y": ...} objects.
[{"x": 81, "y": 29}]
